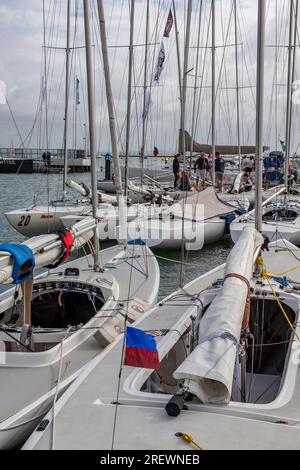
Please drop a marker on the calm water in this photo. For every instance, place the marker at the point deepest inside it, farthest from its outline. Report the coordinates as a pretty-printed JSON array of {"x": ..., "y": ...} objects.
[{"x": 18, "y": 191}]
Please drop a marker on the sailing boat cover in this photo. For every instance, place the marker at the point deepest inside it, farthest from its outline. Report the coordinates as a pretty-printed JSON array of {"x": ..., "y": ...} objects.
[
  {"x": 210, "y": 367},
  {"x": 202, "y": 205}
]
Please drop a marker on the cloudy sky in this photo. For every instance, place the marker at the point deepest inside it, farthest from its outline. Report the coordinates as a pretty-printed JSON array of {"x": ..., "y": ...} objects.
[{"x": 24, "y": 63}]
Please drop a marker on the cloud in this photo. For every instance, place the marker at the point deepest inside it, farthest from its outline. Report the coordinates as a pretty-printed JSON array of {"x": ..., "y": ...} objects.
[{"x": 21, "y": 69}]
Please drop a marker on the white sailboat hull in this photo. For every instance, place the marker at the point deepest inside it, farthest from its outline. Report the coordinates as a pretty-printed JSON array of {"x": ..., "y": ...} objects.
[
  {"x": 38, "y": 371},
  {"x": 40, "y": 219},
  {"x": 167, "y": 234},
  {"x": 289, "y": 231}
]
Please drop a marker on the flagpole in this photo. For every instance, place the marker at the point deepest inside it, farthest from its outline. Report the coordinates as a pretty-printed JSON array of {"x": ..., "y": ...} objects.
[
  {"x": 68, "y": 50},
  {"x": 129, "y": 94},
  {"x": 145, "y": 94}
]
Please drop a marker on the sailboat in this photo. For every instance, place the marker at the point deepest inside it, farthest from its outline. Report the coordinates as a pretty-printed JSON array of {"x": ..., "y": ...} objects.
[
  {"x": 228, "y": 351},
  {"x": 199, "y": 218},
  {"x": 281, "y": 215},
  {"x": 58, "y": 321}
]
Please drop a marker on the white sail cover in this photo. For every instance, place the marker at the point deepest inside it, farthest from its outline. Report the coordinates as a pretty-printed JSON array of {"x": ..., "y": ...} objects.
[
  {"x": 209, "y": 368},
  {"x": 199, "y": 206}
]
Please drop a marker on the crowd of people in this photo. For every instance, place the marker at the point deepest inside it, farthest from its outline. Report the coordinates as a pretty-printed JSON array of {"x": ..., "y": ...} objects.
[
  {"x": 202, "y": 170},
  {"x": 202, "y": 167}
]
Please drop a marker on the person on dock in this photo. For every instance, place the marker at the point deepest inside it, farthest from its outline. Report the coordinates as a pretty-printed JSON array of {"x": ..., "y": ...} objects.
[
  {"x": 176, "y": 169},
  {"x": 200, "y": 167},
  {"x": 219, "y": 170}
]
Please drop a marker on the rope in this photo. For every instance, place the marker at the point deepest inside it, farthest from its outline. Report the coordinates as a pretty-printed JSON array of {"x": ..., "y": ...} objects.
[
  {"x": 246, "y": 318},
  {"x": 265, "y": 275}
]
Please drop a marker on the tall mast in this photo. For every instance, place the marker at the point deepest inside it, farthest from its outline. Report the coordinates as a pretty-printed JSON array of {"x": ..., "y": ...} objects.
[
  {"x": 237, "y": 87},
  {"x": 260, "y": 110},
  {"x": 67, "y": 92},
  {"x": 178, "y": 58},
  {"x": 289, "y": 96},
  {"x": 276, "y": 75},
  {"x": 293, "y": 66},
  {"x": 183, "y": 116},
  {"x": 213, "y": 88},
  {"x": 185, "y": 76},
  {"x": 195, "y": 84},
  {"x": 129, "y": 94},
  {"x": 92, "y": 123},
  {"x": 112, "y": 119},
  {"x": 145, "y": 93}
]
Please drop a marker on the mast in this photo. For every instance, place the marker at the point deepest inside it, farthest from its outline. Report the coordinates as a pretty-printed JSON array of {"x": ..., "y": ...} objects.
[
  {"x": 260, "y": 111},
  {"x": 213, "y": 89},
  {"x": 293, "y": 66},
  {"x": 129, "y": 93},
  {"x": 289, "y": 97},
  {"x": 145, "y": 94},
  {"x": 112, "y": 119},
  {"x": 178, "y": 57},
  {"x": 92, "y": 123},
  {"x": 183, "y": 117},
  {"x": 185, "y": 76},
  {"x": 237, "y": 87},
  {"x": 68, "y": 50},
  {"x": 195, "y": 86}
]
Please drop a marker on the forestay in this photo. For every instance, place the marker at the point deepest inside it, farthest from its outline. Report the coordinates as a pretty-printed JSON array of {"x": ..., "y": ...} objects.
[{"x": 209, "y": 368}]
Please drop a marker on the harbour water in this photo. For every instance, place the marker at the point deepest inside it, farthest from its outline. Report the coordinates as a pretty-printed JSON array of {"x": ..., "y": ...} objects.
[{"x": 18, "y": 191}]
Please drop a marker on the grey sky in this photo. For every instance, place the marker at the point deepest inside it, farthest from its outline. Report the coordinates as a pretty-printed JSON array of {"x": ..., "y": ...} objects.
[{"x": 21, "y": 68}]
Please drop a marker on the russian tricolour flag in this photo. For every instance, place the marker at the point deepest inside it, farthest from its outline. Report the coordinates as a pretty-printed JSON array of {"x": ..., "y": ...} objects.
[{"x": 141, "y": 350}]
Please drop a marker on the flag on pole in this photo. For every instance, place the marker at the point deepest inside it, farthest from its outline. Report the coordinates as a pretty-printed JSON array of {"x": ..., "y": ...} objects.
[
  {"x": 148, "y": 105},
  {"x": 168, "y": 25},
  {"x": 77, "y": 91},
  {"x": 141, "y": 349},
  {"x": 160, "y": 63},
  {"x": 283, "y": 146},
  {"x": 155, "y": 152}
]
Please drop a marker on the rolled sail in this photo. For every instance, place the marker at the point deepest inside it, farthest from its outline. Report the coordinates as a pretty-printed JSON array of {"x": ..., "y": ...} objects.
[{"x": 209, "y": 368}]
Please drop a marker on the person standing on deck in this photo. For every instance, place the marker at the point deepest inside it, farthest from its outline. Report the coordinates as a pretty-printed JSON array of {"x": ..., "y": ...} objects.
[
  {"x": 200, "y": 168},
  {"x": 219, "y": 170},
  {"x": 176, "y": 169}
]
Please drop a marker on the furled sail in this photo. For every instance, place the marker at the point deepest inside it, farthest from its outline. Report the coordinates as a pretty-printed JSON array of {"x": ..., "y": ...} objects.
[
  {"x": 209, "y": 368},
  {"x": 48, "y": 248}
]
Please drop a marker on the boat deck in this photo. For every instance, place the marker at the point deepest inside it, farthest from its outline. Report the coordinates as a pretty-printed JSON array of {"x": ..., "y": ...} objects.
[{"x": 87, "y": 418}]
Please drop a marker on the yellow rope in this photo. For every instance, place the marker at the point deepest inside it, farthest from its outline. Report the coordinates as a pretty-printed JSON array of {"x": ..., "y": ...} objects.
[
  {"x": 189, "y": 439},
  {"x": 285, "y": 272},
  {"x": 265, "y": 275}
]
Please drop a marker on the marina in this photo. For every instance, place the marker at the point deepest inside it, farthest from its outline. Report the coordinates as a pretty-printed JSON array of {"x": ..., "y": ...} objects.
[{"x": 150, "y": 230}]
